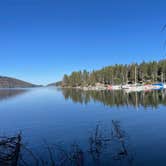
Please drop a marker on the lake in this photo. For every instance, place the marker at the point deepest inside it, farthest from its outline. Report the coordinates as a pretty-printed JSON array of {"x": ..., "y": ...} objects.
[{"x": 107, "y": 128}]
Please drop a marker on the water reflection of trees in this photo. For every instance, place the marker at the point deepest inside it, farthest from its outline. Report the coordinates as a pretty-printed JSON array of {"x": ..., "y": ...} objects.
[
  {"x": 117, "y": 98},
  {"x": 8, "y": 93}
]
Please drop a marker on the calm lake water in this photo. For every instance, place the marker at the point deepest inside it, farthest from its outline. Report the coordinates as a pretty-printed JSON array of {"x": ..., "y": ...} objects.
[{"x": 66, "y": 117}]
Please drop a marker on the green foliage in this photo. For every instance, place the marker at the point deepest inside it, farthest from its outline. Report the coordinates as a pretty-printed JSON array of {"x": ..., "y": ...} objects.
[{"x": 118, "y": 74}]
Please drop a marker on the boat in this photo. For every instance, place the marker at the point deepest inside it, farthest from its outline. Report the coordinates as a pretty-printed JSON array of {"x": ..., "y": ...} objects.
[
  {"x": 141, "y": 87},
  {"x": 148, "y": 87},
  {"x": 164, "y": 86},
  {"x": 158, "y": 86},
  {"x": 126, "y": 86},
  {"x": 114, "y": 87},
  {"x": 134, "y": 88}
]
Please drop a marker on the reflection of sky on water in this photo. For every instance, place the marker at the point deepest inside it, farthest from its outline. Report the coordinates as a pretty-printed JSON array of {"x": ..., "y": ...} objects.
[{"x": 63, "y": 117}]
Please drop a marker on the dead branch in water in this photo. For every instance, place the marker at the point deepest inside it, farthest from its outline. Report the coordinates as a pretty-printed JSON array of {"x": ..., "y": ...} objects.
[
  {"x": 120, "y": 135},
  {"x": 100, "y": 144},
  {"x": 10, "y": 150}
]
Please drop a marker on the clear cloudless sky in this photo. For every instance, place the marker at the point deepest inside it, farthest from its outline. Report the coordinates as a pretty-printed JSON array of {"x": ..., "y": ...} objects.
[{"x": 41, "y": 40}]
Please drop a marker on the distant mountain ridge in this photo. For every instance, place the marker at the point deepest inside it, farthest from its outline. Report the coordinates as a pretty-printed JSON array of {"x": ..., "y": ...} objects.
[
  {"x": 55, "y": 84},
  {"x": 8, "y": 82}
]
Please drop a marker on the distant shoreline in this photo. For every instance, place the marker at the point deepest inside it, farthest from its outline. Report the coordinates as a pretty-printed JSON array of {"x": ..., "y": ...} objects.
[{"x": 8, "y": 82}]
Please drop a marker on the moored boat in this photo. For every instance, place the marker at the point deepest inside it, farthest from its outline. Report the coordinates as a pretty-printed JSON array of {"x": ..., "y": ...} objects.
[
  {"x": 114, "y": 87},
  {"x": 148, "y": 87},
  {"x": 126, "y": 86},
  {"x": 164, "y": 86},
  {"x": 134, "y": 88},
  {"x": 137, "y": 87},
  {"x": 158, "y": 86}
]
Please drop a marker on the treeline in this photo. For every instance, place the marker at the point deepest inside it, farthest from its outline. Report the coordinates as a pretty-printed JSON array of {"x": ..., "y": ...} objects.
[{"x": 154, "y": 71}]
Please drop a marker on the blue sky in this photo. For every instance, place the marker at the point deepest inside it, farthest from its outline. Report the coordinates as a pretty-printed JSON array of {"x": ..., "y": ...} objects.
[{"x": 40, "y": 40}]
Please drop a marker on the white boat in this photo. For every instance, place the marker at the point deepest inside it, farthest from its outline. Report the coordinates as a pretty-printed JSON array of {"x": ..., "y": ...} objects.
[
  {"x": 137, "y": 87},
  {"x": 134, "y": 88},
  {"x": 114, "y": 87},
  {"x": 148, "y": 87},
  {"x": 127, "y": 86},
  {"x": 164, "y": 86}
]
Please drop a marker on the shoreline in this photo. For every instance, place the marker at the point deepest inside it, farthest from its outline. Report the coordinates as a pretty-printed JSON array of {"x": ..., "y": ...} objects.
[{"x": 88, "y": 88}]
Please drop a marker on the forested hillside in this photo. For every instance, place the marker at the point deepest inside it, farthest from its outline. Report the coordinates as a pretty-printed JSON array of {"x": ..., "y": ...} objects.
[
  {"x": 7, "y": 82},
  {"x": 119, "y": 74}
]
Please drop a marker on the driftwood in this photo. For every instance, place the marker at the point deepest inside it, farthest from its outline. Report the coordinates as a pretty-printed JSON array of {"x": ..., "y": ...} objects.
[
  {"x": 96, "y": 145},
  {"x": 10, "y": 150},
  {"x": 114, "y": 145},
  {"x": 120, "y": 135}
]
